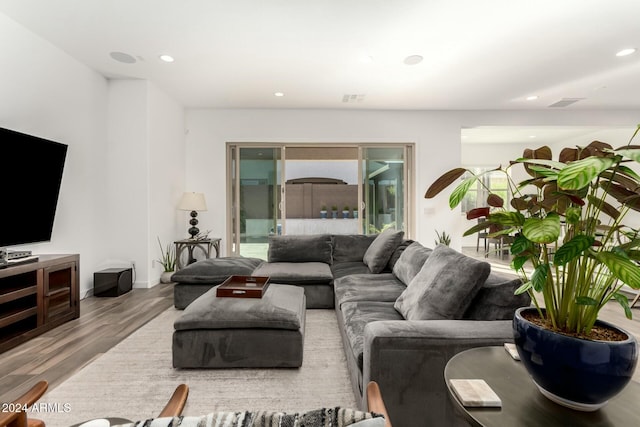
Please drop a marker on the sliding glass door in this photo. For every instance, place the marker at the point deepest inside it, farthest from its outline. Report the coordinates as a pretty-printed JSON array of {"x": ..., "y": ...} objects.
[
  {"x": 278, "y": 189},
  {"x": 255, "y": 198},
  {"x": 385, "y": 186}
]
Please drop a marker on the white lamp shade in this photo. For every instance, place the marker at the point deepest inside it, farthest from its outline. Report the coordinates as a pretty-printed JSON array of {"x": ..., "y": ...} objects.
[{"x": 192, "y": 202}]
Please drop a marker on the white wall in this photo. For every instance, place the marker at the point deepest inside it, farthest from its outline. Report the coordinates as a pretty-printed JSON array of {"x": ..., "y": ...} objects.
[
  {"x": 435, "y": 133},
  {"x": 124, "y": 171},
  {"x": 166, "y": 154},
  {"x": 46, "y": 93},
  {"x": 146, "y": 169}
]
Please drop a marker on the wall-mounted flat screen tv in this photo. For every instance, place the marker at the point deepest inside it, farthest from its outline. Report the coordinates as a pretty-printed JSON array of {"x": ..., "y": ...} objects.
[{"x": 30, "y": 177}]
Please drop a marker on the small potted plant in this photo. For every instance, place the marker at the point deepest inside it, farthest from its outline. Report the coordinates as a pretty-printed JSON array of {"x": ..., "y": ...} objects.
[
  {"x": 168, "y": 261},
  {"x": 354, "y": 211},
  {"x": 442, "y": 238},
  {"x": 334, "y": 211},
  {"x": 574, "y": 253},
  {"x": 345, "y": 212},
  {"x": 323, "y": 212}
]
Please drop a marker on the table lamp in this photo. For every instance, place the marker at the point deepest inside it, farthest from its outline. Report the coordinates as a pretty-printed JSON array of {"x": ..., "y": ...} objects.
[{"x": 193, "y": 202}]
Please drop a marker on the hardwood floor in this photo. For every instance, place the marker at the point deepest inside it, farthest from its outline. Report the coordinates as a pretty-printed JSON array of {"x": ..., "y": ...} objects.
[{"x": 61, "y": 352}]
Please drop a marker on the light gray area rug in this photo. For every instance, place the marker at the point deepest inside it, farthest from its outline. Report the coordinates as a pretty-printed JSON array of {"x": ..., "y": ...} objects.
[{"x": 135, "y": 379}]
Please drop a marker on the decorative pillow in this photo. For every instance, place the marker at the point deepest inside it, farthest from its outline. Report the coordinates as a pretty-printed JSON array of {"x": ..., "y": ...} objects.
[
  {"x": 496, "y": 299},
  {"x": 411, "y": 262},
  {"x": 444, "y": 287},
  {"x": 350, "y": 247},
  {"x": 397, "y": 253},
  {"x": 300, "y": 248},
  {"x": 377, "y": 255}
]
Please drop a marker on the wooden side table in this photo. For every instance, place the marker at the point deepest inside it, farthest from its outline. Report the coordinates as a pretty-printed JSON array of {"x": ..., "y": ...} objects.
[
  {"x": 522, "y": 402},
  {"x": 196, "y": 249}
]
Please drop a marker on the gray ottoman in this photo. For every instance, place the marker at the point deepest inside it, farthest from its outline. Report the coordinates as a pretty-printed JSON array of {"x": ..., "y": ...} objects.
[{"x": 265, "y": 332}]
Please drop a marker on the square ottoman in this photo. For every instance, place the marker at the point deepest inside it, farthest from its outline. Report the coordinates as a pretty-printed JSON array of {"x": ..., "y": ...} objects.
[{"x": 265, "y": 332}]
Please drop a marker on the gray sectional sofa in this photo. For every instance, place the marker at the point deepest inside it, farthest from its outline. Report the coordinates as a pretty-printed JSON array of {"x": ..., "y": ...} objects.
[{"x": 403, "y": 309}]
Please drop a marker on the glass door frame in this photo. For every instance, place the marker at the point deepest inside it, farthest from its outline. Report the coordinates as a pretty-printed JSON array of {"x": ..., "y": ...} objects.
[{"x": 233, "y": 183}]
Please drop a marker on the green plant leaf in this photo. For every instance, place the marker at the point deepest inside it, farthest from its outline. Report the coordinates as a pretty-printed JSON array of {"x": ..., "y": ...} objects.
[
  {"x": 518, "y": 262},
  {"x": 539, "y": 277},
  {"x": 572, "y": 249},
  {"x": 523, "y": 288},
  {"x": 586, "y": 301},
  {"x": 580, "y": 173},
  {"x": 520, "y": 244},
  {"x": 443, "y": 182},
  {"x": 478, "y": 227},
  {"x": 622, "y": 268},
  {"x": 573, "y": 215},
  {"x": 628, "y": 172},
  {"x": 543, "y": 162},
  {"x": 624, "y": 302},
  {"x": 507, "y": 218},
  {"x": 542, "y": 230},
  {"x": 630, "y": 154},
  {"x": 460, "y": 191}
]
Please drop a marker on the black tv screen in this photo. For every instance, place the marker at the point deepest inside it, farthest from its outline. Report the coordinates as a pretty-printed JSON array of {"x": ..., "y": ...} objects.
[{"x": 30, "y": 175}]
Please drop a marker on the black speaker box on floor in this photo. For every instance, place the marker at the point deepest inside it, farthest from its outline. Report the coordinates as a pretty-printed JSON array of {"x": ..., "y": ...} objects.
[{"x": 112, "y": 282}]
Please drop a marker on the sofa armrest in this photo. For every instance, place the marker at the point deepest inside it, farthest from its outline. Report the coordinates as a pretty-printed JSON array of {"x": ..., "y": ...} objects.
[{"x": 407, "y": 360}]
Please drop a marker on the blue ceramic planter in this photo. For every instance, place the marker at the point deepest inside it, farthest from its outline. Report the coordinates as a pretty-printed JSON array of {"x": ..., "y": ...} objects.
[{"x": 576, "y": 373}]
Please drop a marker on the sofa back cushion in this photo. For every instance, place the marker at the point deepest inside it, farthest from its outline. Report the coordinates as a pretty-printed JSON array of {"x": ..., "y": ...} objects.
[
  {"x": 300, "y": 248},
  {"x": 215, "y": 270},
  {"x": 379, "y": 252},
  {"x": 350, "y": 247},
  {"x": 410, "y": 262},
  {"x": 496, "y": 299},
  {"x": 444, "y": 287}
]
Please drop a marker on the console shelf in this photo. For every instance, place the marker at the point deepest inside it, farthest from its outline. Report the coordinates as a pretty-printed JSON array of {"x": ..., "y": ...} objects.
[{"x": 36, "y": 297}]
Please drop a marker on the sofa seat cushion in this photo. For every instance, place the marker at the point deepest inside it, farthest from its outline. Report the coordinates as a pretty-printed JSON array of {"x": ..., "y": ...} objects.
[
  {"x": 300, "y": 248},
  {"x": 356, "y": 315},
  {"x": 410, "y": 262},
  {"x": 496, "y": 299},
  {"x": 382, "y": 287},
  {"x": 296, "y": 273},
  {"x": 444, "y": 287},
  {"x": 379, "y": 252},
  {"x": 343, "y": 269},
  {"x": 216, "y": 270}
]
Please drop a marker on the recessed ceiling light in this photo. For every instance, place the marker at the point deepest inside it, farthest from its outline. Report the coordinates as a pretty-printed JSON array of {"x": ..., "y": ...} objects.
[
  {"x": 122, "y": 57},
  {"x": 532, "y": 136},
  {"x": 532, "y": 97},
  {"x": 413, "y": 59},
  {"x": 626, "y": 52},
  {"x": 279, "y": 94},
  {"x": 166, "y": 58}
]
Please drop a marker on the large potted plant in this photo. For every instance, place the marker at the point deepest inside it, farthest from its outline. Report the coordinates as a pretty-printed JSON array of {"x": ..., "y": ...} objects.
[{"x": 574, "y": 254}]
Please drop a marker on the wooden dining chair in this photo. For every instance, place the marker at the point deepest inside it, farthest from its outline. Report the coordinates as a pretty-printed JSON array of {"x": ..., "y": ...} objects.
[
  {"x": 375, "y": 402},
  {"x": 14, "y": 414},
  {"x": 176, "y": 403}
]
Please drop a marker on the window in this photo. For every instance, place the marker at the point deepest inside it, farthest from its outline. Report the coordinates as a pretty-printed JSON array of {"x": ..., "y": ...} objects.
[{"x": 495, "y": 182}]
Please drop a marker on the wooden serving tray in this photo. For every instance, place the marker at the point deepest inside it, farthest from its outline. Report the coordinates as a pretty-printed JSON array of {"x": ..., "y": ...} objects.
[{"x": 243, "y": 287}]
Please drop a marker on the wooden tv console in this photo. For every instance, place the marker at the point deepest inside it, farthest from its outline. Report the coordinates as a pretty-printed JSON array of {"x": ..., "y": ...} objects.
[{"x": 37, "y": 296}]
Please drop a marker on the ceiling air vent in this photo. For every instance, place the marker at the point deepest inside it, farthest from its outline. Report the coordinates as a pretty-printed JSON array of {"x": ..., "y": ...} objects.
[
  {"x": 565, "y": 102},
  {"x": 352, "y": 98}
]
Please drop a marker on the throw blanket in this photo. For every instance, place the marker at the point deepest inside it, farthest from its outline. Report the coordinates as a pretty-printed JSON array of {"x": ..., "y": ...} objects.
[{"x": 326, "y": 417}]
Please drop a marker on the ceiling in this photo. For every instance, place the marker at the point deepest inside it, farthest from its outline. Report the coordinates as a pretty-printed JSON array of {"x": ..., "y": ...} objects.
[{"x": 350, "y": 54}]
